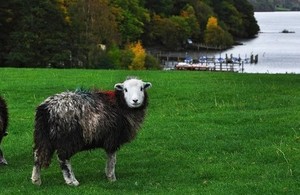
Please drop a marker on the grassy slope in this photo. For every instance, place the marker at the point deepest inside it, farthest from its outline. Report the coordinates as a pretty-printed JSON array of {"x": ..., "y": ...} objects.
[{"x": 214, "y": 133}]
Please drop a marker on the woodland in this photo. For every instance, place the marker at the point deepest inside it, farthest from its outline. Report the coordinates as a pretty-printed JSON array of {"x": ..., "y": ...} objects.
[{"x": 114, "y": 34}]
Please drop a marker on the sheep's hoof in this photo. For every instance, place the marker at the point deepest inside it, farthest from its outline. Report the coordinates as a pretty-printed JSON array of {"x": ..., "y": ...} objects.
[
  {"x": 73, "y": 183},
  {"x": 112, "y": 179},
  {"x": 2, "y": 160},
  {"x": 37, "y": 182}
]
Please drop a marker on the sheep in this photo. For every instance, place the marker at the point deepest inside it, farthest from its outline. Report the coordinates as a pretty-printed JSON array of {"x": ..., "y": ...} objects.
[
  {"x": 3, "y": 126},
  {"x": 71, "y": 122}
]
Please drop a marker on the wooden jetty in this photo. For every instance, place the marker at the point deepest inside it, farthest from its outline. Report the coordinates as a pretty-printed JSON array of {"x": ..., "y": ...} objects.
[
  {"x": 212, "y": 66},
  {"x": 183, "y": 61},
  {"x": 185, "y": 66}
]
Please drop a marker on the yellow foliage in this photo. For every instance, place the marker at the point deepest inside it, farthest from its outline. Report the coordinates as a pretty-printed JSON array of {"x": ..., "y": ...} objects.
[
  {"x": 212, "y": 23},
  {"x": 138, "y": 62}
]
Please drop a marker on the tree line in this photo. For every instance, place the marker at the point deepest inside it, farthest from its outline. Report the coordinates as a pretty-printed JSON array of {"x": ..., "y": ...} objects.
[
  {"x": 275, "y": 5},
  {"x": 115, "y": 33}
]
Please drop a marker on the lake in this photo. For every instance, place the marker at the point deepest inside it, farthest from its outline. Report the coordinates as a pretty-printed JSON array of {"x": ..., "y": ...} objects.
[{"x": 277, "y": 52}]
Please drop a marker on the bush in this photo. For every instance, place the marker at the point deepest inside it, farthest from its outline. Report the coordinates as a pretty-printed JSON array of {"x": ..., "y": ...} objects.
[{"x": 152, "y": 63}]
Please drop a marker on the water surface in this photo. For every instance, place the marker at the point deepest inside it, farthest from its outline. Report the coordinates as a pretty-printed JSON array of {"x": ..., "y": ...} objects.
[{"x": 277, "y": 52}]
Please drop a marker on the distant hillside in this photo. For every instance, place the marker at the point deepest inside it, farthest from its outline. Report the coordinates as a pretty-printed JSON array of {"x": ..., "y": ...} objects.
[{"x": 276, "y": 5}]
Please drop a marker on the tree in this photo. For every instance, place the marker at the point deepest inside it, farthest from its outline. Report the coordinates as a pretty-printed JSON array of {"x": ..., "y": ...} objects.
[
  {"x": 250, "y": 26},
  {"x": 236, "y": 16},
  {"x": 152, "y": 63},
  {"x": 131, "y": 17},
  {"x": 202, "y": 12},
  {"x": 232, "y": 19},
  {"x": 7, "y": 24},
  {"x": 162, "y": 7},
  {"x": 39, "y": 37},
  {"x": 93, "y": 24},
  {"x": 139, "y": 55},
  {"x": 172, "y": 32},
  {"x": 188, "y": 13},
  {"x": 215, "y": 35}
]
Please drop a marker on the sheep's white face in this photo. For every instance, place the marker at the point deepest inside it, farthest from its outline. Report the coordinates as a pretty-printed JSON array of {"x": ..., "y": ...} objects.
[{"x": 133, "y": 91}]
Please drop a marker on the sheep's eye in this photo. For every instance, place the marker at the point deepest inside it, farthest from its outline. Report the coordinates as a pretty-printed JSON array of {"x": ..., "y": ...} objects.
[
  {"x": 141, "y": 88},
  {"x": 125, "y": 90}
]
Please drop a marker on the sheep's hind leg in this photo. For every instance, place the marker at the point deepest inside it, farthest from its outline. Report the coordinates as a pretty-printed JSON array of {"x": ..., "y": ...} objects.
[
  {"x": 36, "y": 171},
  {"x": 68, "y": 174},
  {"x": 110, "y": 167}
]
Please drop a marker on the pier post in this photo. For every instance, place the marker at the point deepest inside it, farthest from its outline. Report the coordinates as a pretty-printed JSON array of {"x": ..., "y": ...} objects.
[{"x": 242, "y": 66}]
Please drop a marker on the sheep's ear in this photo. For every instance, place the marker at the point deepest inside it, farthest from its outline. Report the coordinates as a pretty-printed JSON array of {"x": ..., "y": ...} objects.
[
  {"x": 147, "y": 85},
  {"x": 119, "y": 86}
]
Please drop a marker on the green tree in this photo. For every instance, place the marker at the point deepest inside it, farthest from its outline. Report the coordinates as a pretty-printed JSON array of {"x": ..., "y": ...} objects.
[
  {"x": 236, "y": 16},
  {"x": 162, "y": 7},
  {"x": 250, "y": 26},
  {"x": 114, "y": 53},
  {"x": 188, "y": 13},
  {"x": 152, "y": 63},
  {"x": 166, "y": 31},
  {"x": 215, "y": 35},
  {"x": 231, "y": 17},
  {"x": 93, "y": 25},
  {"x": 39, "y": 38},
  {"x": 131, "y": 17},
  {"x": 202, "y": 13},
  {"x": 8, "y": 18},
  {"x": 172, "y": 32}
]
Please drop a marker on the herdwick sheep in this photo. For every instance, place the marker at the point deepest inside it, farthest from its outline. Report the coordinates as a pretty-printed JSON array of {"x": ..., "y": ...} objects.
[
  {"x": 3, "y": 126},
  {"x": 70, "y": 122}
]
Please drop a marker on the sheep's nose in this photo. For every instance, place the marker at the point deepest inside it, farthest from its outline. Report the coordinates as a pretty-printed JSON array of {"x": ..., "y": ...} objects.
[{"x": 135, "y": 100}]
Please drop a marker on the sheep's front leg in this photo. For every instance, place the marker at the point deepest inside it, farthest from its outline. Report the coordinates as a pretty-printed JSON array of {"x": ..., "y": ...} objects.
[
  {"x": 2, "y": 159},
  {"x": 36, "y": 171},
  {"x": 36, "y": 175},
  {"x": 110, "y": 166},
  {"x": 68, "y": 174}
]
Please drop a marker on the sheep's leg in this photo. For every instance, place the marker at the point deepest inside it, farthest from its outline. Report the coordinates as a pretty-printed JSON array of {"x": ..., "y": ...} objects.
[
  {"x": 68, "y": 174},
  {"x": 36, "y": 172},
  {"x": 36, "y": 175},
  {"x": 110, "y": 166}
]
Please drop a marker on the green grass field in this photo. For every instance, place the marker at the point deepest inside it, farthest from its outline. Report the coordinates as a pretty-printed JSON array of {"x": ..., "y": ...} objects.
[{"x": 205, "y": 133}]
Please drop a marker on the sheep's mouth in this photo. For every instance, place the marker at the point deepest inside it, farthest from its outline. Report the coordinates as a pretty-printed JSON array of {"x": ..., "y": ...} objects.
[{"x": 135, "y": 105}]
